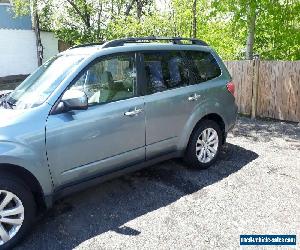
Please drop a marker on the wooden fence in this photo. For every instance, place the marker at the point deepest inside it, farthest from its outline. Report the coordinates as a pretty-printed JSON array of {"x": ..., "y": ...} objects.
[{"x": 267, "y": 88}]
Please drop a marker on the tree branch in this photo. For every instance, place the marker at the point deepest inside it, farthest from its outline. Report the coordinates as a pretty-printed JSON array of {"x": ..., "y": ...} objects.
[
  {"x": 129, "y": 7},
  {"x": 82, "y": 16}
]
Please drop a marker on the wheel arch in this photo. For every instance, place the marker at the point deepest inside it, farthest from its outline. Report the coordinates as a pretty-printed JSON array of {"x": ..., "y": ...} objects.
[
  {"x": 30, "y": 180},
  {"x": 216, "y": 118},
  {"x": 193, "y": 124}
]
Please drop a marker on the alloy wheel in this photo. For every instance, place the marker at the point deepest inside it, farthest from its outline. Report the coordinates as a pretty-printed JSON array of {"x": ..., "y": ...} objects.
[
  {"x": 207, "y": 145},
  {"x": 11, "y": 216}
]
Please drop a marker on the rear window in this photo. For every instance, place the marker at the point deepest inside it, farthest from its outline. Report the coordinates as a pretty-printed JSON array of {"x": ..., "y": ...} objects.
[
  {"x": 202, "y": 66},
  {"x": 172, "y": 69}
]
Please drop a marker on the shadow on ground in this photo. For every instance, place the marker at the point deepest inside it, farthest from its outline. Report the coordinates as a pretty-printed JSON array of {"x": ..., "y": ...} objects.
[
  {"x": 110, "y": 205},
  {"x": 266, "y": 130}
]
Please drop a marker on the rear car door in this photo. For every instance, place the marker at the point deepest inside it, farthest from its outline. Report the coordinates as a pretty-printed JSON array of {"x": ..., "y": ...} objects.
[
  {"x": 110, "y": 134},
  {"x": 175, "y": 87}
]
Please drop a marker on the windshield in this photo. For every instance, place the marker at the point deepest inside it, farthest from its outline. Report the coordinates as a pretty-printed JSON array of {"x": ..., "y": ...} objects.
[{"x": 39, "y": 86}]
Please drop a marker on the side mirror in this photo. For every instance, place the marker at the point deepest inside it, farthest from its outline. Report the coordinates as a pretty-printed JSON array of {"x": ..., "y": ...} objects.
[{"x": 72, "y": 99}]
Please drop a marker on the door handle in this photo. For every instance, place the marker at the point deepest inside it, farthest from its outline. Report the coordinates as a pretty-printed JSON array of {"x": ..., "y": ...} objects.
[
  {"x": 133, "y": 112},
  {"x": 194, "y": 97}
]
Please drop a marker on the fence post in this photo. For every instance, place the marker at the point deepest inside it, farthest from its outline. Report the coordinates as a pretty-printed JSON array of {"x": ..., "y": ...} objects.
[{"x": 255, "y": 82}]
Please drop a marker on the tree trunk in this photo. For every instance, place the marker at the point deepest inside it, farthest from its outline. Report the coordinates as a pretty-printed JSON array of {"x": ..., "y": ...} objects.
[
  {"x": 84, "y": 16},
  {"x": 99, "y": 20},
  {"x": 194, "y": 33},
  {"x": 36, "y": 23},
  {"x": 139, "y": 8},
  {"x": 251, "y": 35},
  {"x": 129, "y": 7},
  {"x": 174, "y": 22}
]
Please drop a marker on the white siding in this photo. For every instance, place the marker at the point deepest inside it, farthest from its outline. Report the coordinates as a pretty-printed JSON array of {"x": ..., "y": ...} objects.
[
  {"x": 17, "y": 52},
  {"x": 50, "y": 45}
]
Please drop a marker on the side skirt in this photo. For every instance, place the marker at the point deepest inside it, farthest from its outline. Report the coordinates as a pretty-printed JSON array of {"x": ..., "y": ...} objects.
[{"x": 84, "y": 184}]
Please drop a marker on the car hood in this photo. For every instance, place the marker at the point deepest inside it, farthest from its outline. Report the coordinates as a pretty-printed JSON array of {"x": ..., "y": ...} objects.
[{"x": 10, "y": 116}]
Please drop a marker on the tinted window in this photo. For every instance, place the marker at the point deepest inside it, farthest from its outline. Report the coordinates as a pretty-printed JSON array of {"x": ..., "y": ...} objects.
[
  {"x": 165, "y": 70},
  {"x": 108, "y": 80},
  {"x": 202, "y": 66}
]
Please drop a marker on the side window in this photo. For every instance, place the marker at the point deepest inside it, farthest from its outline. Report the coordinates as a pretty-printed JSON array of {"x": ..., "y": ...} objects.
[
  {"x": 202, "y": 66},
  {"x": 108, "y": 80},
  {"x": 164, "y": 70}
]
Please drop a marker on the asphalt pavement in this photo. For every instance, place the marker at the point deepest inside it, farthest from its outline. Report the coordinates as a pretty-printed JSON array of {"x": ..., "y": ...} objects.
[{"x": 253, "y": 189}]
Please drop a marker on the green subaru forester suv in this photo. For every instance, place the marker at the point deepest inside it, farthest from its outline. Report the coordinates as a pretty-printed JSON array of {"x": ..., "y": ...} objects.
[{"x": 97, "y": 111}]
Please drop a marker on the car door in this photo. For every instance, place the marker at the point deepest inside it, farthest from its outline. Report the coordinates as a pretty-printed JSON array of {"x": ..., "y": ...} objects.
[
  {"x": 110, "y": 134},
  {"x": 173, "y": 91}
]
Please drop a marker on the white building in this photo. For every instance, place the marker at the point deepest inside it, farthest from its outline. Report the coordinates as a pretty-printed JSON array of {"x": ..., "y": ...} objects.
[{"x": 18, "y": 50}]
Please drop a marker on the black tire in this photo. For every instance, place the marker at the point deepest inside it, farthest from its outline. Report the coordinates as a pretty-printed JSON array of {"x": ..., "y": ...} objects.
[
  {"x": 16, "y": 186},
  {"x": 190, "y": 157}
]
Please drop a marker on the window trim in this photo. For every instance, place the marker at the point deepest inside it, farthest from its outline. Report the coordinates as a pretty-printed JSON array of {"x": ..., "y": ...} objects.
[
  {"x": 90, "y": 64},
  {"x": 142, "y": 74}
]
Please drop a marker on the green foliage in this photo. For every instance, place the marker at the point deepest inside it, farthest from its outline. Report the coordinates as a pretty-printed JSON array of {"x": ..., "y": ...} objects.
[
  {"x": 277, "y": 29},
  {"x": 22, "y": 7},
  {"x": 150, "y": 25},
  {"x": 224, "y": 24}
]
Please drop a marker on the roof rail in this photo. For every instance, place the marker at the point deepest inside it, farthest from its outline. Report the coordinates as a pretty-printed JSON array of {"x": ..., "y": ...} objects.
[
  {"x": 85, "y": 45},
  {"x": 175, "y": 40}
]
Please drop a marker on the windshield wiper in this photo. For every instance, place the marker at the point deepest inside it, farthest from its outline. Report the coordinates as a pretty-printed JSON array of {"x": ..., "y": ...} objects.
[
  {"x": 10, "y": 103},
  {"x": 6, "y": 103}
]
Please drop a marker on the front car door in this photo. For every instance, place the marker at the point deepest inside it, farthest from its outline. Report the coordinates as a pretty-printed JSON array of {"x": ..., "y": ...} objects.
[{"x": 105, "y": 137}]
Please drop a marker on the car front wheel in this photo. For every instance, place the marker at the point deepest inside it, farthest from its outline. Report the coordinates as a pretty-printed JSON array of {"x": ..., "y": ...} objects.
[{"x": 17, "y": 210}]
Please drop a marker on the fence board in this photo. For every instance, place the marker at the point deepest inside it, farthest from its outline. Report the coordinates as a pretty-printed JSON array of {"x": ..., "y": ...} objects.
[
  {"x": 242, "y": 75},
  {"x": 278, "y": 88}
]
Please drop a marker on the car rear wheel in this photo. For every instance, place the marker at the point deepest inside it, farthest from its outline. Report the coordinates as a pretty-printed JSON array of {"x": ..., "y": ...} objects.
[
  {"x": 17, "y": 210},
  {"x": 204, "y": 145}
]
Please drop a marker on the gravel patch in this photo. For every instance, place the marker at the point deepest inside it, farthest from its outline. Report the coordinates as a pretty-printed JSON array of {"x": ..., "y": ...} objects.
[{"x": 253, "y": 189}]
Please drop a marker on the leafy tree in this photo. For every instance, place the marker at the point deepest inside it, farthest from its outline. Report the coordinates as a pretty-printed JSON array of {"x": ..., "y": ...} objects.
[
  {"x": 263, "y": 22},
  {"x": 237, "y": 29},
  {"x": 81, "y": 21}
]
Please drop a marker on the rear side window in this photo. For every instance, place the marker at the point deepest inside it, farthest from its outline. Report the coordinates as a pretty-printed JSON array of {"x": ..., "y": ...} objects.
[
  {"x": 172, "y": 69},
  {"x": 202, "y": 66},
  {"x": 165, "y": 70}
]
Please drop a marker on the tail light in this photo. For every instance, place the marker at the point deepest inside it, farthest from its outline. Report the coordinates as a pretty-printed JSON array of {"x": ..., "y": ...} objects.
[{"x": 230, "y": 87}]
